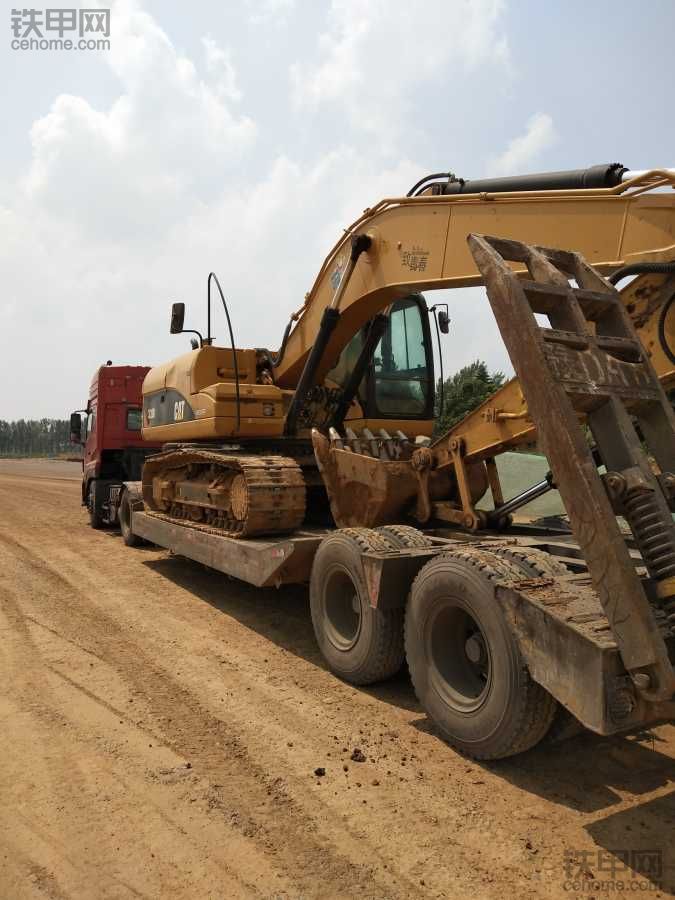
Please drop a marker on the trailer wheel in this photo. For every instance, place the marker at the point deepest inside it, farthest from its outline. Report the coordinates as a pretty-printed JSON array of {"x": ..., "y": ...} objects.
[
  {"x": 360, "y": 644},
  {"x": 124, "y": 516},
  {"x": 464, "y": 660},
  {"x": 94, "y": 505}
]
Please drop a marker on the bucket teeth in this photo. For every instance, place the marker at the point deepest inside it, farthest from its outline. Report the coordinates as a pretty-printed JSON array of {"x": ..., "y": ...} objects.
[
  {"x": 372, "y": 442},
  {"x": 381, "y": 446},
  {"x": 389, "y": 449},
  {"x": 354, "y": 442},
  {"x": 336, "y": 441}
]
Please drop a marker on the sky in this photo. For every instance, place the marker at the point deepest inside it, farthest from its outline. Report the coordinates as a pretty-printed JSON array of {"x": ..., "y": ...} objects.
[{"x": 243, "y": 136}]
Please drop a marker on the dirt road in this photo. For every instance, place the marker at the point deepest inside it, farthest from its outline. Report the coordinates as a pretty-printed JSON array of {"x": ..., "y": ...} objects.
[{"x": 161, "y": 726}]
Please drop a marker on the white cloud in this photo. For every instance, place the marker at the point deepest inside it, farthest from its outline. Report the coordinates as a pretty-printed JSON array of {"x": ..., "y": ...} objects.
[
  {"x": 373, "y": 56},
  {"x": 127, "y": 206},
  {"x": 523, "y": 150},
  {"x": 124, "y": 209},
  {"x": 140, "y": 164},
  {"x": 219, "y": 65},
  {"x": 270, "y": 12}
]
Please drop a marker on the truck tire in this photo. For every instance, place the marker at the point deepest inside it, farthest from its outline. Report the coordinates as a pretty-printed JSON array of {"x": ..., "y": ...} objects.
[
  {"x": 464, "y": 660},
  {"x": 361, "y": 644},
  {"x": 534, "y": 563},
  {"x": 124, "y": 517},
  {"x": 404, "y": 536},
  {"x": 94, "y": 505}
]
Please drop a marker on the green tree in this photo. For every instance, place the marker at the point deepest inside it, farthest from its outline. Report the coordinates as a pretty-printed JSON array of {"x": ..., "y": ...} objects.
[
  {"x": 36, "y": 437},
  {"x": 464, "y": 391}
]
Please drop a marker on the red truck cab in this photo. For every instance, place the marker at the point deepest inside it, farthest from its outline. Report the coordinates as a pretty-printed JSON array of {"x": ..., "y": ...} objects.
[{"x": 113, "y": 448}]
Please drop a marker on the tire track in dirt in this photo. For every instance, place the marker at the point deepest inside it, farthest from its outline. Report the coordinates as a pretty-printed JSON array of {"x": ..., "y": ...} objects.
[
  {"x": 203, "y": 739},
  {"x": 312, "y": 691},
  {"x": 40, "y": 700},
  {"x": 58, "y": 765},
  {"x": 205, "y": 660}
]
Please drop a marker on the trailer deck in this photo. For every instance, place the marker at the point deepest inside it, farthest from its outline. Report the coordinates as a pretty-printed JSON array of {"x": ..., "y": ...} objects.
[{"x": 263, "y": 562}]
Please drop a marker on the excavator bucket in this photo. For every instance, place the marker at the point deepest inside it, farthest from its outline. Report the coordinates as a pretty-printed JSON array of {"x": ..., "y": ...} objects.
[
  {"x": 363, "y": 489},
  {"x": 383, "y": 480}
]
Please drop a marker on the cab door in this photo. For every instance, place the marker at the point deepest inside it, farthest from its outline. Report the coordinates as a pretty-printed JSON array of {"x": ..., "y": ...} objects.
[
  {"x": 400, "y": 385},
  {"x": 91, "y": 443}
]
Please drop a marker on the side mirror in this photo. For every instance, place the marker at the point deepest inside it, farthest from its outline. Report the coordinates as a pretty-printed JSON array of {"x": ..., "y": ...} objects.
[
  {"x": 177, "y": 318},
  {"x": 443, "y": 321},
  {"x": 75, "y": 428}
]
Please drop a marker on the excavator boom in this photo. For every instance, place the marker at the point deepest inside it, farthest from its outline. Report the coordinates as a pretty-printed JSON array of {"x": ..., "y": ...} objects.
[{"x": 419, "y": 244}]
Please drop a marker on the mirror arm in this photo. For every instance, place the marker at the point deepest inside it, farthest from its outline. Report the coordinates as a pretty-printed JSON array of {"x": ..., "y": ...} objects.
[{"x": 192, "y": 331}]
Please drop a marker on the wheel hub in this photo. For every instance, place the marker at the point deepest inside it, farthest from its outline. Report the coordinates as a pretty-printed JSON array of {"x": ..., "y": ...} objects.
[
  {"x": 460, "y": 656},
  {"x": 475, "y": 649},
  {"x": 343, "y": 610}
]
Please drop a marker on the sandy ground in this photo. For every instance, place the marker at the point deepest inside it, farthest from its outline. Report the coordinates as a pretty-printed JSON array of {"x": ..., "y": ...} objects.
[{"x": 161, "y": 726}]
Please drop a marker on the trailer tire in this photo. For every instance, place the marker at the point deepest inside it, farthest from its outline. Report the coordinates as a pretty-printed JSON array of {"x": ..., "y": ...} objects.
[
  {"x": 361, "y": 644},
  {"x": 404, "y": 536},
  {"x": 534, "y": 563},
  {"x": 464, "y": 660},
  {"x": 124, "y": 517},
  {"x": 94, "y": 503}
]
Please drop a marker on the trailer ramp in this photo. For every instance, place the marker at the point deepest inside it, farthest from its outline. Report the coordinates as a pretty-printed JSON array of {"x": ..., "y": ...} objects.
[{"x": 589, "y": 363}]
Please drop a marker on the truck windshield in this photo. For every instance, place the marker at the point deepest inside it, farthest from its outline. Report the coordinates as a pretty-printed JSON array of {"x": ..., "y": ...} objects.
[{"x": 134, "y": 419}]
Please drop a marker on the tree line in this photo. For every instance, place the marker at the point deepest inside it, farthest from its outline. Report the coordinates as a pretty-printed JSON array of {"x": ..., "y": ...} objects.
[{"x": 36, "y": 437}]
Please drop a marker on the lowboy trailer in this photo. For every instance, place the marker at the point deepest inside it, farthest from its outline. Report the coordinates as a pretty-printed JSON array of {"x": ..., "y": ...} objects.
[
  {"x": 504, "y": 631},
  {"x": 538, "y": 577}
]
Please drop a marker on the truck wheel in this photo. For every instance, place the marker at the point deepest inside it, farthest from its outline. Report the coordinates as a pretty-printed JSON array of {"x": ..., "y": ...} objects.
[
  {"x": 124, "y": 517},
  {"x": 360, "y": 644},
  {"x": 94, "y": 504},
  {"x": 464, "y": 660}
]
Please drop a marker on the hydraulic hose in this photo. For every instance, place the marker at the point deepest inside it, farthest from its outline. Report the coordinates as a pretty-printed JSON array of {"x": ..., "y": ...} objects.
[
  {"x": 665, "y": 346},
  {"x": 651, "y": 268},
  {"x": 643, "y": 268},
  {"x": 434, "y": 177}
]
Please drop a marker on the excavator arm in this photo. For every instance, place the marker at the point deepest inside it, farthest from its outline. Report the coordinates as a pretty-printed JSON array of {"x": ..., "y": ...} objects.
[{"x": 626, "y": 230}]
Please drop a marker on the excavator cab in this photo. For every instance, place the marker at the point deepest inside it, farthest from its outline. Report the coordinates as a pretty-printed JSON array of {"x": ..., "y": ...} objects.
[{"x": 397, "y": 391}]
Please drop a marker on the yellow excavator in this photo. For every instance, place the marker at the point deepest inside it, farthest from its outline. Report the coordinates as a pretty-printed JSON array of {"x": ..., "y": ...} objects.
[
  {"x": 506, "y": 628},
  {"x": 255, "y": 439}
]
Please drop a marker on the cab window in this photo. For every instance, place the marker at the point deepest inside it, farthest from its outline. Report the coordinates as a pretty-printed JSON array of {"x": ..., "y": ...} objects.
[
  {"x": 341, "y": 372},
  {"x": 134, "y": 419},
  {"x": 402, "y": 381}
]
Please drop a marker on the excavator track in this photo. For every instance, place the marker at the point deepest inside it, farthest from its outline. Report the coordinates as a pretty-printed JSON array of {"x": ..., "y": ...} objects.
[{"x": 237, "y": 496}]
